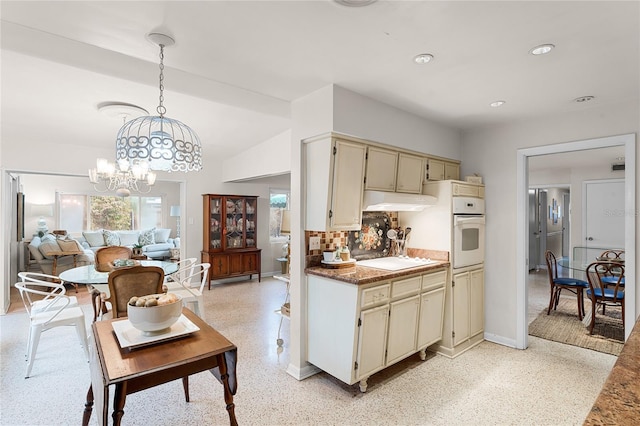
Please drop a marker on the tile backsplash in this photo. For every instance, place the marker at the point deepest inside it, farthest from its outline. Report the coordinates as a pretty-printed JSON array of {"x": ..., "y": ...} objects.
[{"x": 331, "y": 240}]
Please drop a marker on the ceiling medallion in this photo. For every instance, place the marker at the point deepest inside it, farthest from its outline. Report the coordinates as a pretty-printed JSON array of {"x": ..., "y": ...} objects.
[{"x": 584, "y": 99}]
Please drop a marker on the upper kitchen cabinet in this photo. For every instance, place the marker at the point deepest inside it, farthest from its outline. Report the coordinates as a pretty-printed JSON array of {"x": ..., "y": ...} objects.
[
  {"x": 393, "y": 171},
  {"x": 409, "y": 174},
  {"x": 437, "y": 169},
  {"x": 334, "y": 181},
  {"x": 381, "y": 169}
]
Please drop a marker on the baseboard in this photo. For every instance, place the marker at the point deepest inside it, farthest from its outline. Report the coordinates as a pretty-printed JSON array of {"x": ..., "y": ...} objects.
[
  {"x": 500, "y": 340},
  {"x": 304, "y": 372}
]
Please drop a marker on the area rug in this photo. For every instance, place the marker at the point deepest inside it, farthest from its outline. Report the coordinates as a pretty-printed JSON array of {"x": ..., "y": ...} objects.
[{"x": 563, "y": 326}]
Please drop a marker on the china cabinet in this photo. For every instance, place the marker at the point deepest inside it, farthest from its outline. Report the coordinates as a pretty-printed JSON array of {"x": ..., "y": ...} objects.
[{"x": 230, "y": 236}]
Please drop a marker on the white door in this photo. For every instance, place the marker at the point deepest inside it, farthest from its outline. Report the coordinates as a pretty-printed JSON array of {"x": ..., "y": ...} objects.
[{"x": 603, "y": 218}]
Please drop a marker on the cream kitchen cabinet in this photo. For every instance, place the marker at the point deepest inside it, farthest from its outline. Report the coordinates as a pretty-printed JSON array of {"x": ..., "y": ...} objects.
[
  {"x": 463, "y": 312},
  {"x": 437, "y": 169},
  {"x": 393, "y": 171},
  {"x": 409, "y": 177},
  {"x": 382, "y": 166},
  {"x": 334, "y": 179},
  {"x": 357, "y": 330}
]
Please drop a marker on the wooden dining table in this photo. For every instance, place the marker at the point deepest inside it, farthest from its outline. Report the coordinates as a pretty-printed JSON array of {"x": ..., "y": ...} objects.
[{"x": 132, "y": 370}]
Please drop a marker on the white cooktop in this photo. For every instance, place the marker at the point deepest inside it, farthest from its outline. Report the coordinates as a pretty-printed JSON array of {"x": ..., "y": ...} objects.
[{"x": 395, "y": 263}]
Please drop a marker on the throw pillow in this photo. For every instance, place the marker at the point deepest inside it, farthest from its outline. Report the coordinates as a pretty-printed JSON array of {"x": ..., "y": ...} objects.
[
  {"x": 70, "y": 246},
  {"x": 111, "y": 238},
  {"x": 33, "y": 248},
  {"x": 129, "y": 238},
  {"x": 49, "y": 246},
  {"x": 162, "y": 235},
  {"x": 94, "y": 238},
  {"x": 147, "y": 237}
]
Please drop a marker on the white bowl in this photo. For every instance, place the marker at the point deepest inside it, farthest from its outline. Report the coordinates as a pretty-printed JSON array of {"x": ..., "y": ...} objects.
[{"x": 154, "y": 320}]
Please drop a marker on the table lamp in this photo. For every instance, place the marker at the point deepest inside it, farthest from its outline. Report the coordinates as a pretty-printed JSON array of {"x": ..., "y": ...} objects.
[
  {"x": 175, "y": 212},
  {"x": 42, "y": 210},
  {"x": 285, "y": 229}
]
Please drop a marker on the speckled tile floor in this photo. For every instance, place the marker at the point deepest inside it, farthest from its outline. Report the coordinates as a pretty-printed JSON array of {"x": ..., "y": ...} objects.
[{"x": 489, "y": 385}]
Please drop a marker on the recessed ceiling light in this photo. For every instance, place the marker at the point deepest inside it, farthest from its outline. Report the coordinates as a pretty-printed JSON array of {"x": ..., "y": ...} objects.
[
  {"x": 355, "y": 3},
  {"x": 584, "y": 99},
  {"x": 497, "y": 104},
  {"x": 423, "y": 58},
  {"x": 542, "y": 49}
]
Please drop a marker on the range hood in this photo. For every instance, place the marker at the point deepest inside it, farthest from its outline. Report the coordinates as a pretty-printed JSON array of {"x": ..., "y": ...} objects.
[{"x": 375, "y": 201}]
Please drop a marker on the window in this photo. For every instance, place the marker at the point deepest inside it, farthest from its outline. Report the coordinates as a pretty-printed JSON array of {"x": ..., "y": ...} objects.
[
  {"x": 278, "y": 203},
  {"x": 83, "y": 212}
]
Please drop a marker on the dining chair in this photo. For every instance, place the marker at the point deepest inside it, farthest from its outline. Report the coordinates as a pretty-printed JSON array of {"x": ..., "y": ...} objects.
[
  {"x": 55, "y": 311},
  {"x": 106, "y": 255},
  {"x": 128, "y": 282},
  {"x": 600, "y": 292},
  {"x": 192, "y": 287},
  {"x": 614, "y": 256},
  {"x": 558, "y": 284},
  {"x": 185, "y": 267},
  {"x": 45, "y": 279}
]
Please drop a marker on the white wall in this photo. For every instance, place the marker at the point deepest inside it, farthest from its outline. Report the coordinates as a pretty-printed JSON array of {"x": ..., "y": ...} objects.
[
  {"x": 269, "y": 158},
  {"x": 492, "y": 152}
]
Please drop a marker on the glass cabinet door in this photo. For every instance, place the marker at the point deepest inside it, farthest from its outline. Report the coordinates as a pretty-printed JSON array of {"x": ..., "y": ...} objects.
[
  {"x": 234, "y": 223},
  {"x": 215, "y": 217},
  {"x": 250, "y": 223}
]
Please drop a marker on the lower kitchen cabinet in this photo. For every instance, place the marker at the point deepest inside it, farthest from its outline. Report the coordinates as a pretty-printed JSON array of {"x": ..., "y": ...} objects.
[
  {"x": 464, "y": 312},
  {"x": 357, "y": 330}
]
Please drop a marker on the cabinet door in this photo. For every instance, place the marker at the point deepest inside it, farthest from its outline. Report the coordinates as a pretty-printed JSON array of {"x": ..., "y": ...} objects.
[
  {"x": 234, "y": 223},
  {"x": 250, "y": 219},
  {"x": 460, "y": 295},
  {"x": 219, "y": 265},
  {"x": 403, "y": 325},
  {"x": 381, "y": 169},
  {"x": 451, "y": 171},
  {"x": 476, "y": 307},
  {"x": 431, "y": 317},
  {"x": 372, "y": 340},
  {"x": 348, "y": 185},
  {"x": 235, "y": 263},
  {"x": 435, "y": 169},
  {"x": 409, "y": 174},
  {"x": 214, "y": 223},
  {"x": 250, "y": 262}
]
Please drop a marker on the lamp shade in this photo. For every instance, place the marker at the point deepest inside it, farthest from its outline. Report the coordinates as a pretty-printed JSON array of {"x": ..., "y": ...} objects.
[
  {"x": 285, "y": 226},
  {"x": 42, "y": 210},
  {"x": 175, "y": 211}
]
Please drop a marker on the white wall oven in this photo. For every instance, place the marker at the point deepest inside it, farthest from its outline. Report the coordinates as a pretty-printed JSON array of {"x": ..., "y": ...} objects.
[{"x": 468, "y": 231}]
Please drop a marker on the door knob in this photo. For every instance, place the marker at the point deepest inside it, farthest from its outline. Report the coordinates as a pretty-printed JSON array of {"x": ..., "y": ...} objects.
[{"x": 590, "y": 239}]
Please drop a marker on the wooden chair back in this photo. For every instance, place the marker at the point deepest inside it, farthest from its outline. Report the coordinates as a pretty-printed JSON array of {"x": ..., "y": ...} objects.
[
  {"x": 612, "y": 255},
  {"x": 135, "y": 281},
  {"x": 106, "y": 255}
]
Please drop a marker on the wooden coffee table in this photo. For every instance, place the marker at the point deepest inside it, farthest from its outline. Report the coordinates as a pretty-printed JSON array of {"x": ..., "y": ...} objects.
[{"x": 133, "y": 370}]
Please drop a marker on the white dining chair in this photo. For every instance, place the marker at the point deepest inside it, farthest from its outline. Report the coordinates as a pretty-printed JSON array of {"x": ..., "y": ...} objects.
[
  {"x": 192, "y": 286},
  {"x": 185, "y": 267},
  {"x": 54, "y": 313},
  {"x": 48, "y": 280}
]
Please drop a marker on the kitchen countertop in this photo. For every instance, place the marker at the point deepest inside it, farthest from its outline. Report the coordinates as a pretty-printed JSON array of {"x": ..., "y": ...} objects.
[{"x": 619, "y": 399}]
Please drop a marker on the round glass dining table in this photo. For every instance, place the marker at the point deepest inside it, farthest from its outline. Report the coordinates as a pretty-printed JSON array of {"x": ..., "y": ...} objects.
[{"x": 98, "y": 282}]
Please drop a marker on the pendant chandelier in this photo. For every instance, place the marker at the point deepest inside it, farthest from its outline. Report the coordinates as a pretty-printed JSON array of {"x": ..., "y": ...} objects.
[
  {"x": 122, "y": 178},
  {"x": 162, "y": 142}
]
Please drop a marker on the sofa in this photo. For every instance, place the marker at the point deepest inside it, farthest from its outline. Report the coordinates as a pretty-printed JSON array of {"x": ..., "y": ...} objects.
[
  {"x": 42, "y": 250},
  {"x": 156, "y": 243}
]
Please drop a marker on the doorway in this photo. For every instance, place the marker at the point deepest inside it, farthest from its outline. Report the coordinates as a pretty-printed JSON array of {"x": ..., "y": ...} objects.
[{"x": 522, "y": 267}]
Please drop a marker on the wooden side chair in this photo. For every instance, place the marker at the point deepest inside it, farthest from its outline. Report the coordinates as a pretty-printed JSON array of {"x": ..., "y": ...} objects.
[
  {"x": 106, "y": 255},
  {"x": 558, "y": 284},
  {"x": 128, "y": 282},
  {"x": 602, "y": 293}
]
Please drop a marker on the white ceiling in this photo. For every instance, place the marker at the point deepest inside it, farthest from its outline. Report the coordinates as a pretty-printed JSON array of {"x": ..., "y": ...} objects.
[{"x": 236, "y": 65}]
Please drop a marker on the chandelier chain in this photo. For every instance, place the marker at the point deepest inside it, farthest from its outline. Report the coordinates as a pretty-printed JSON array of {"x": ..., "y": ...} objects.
[{"x": 161, "y": 109}]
